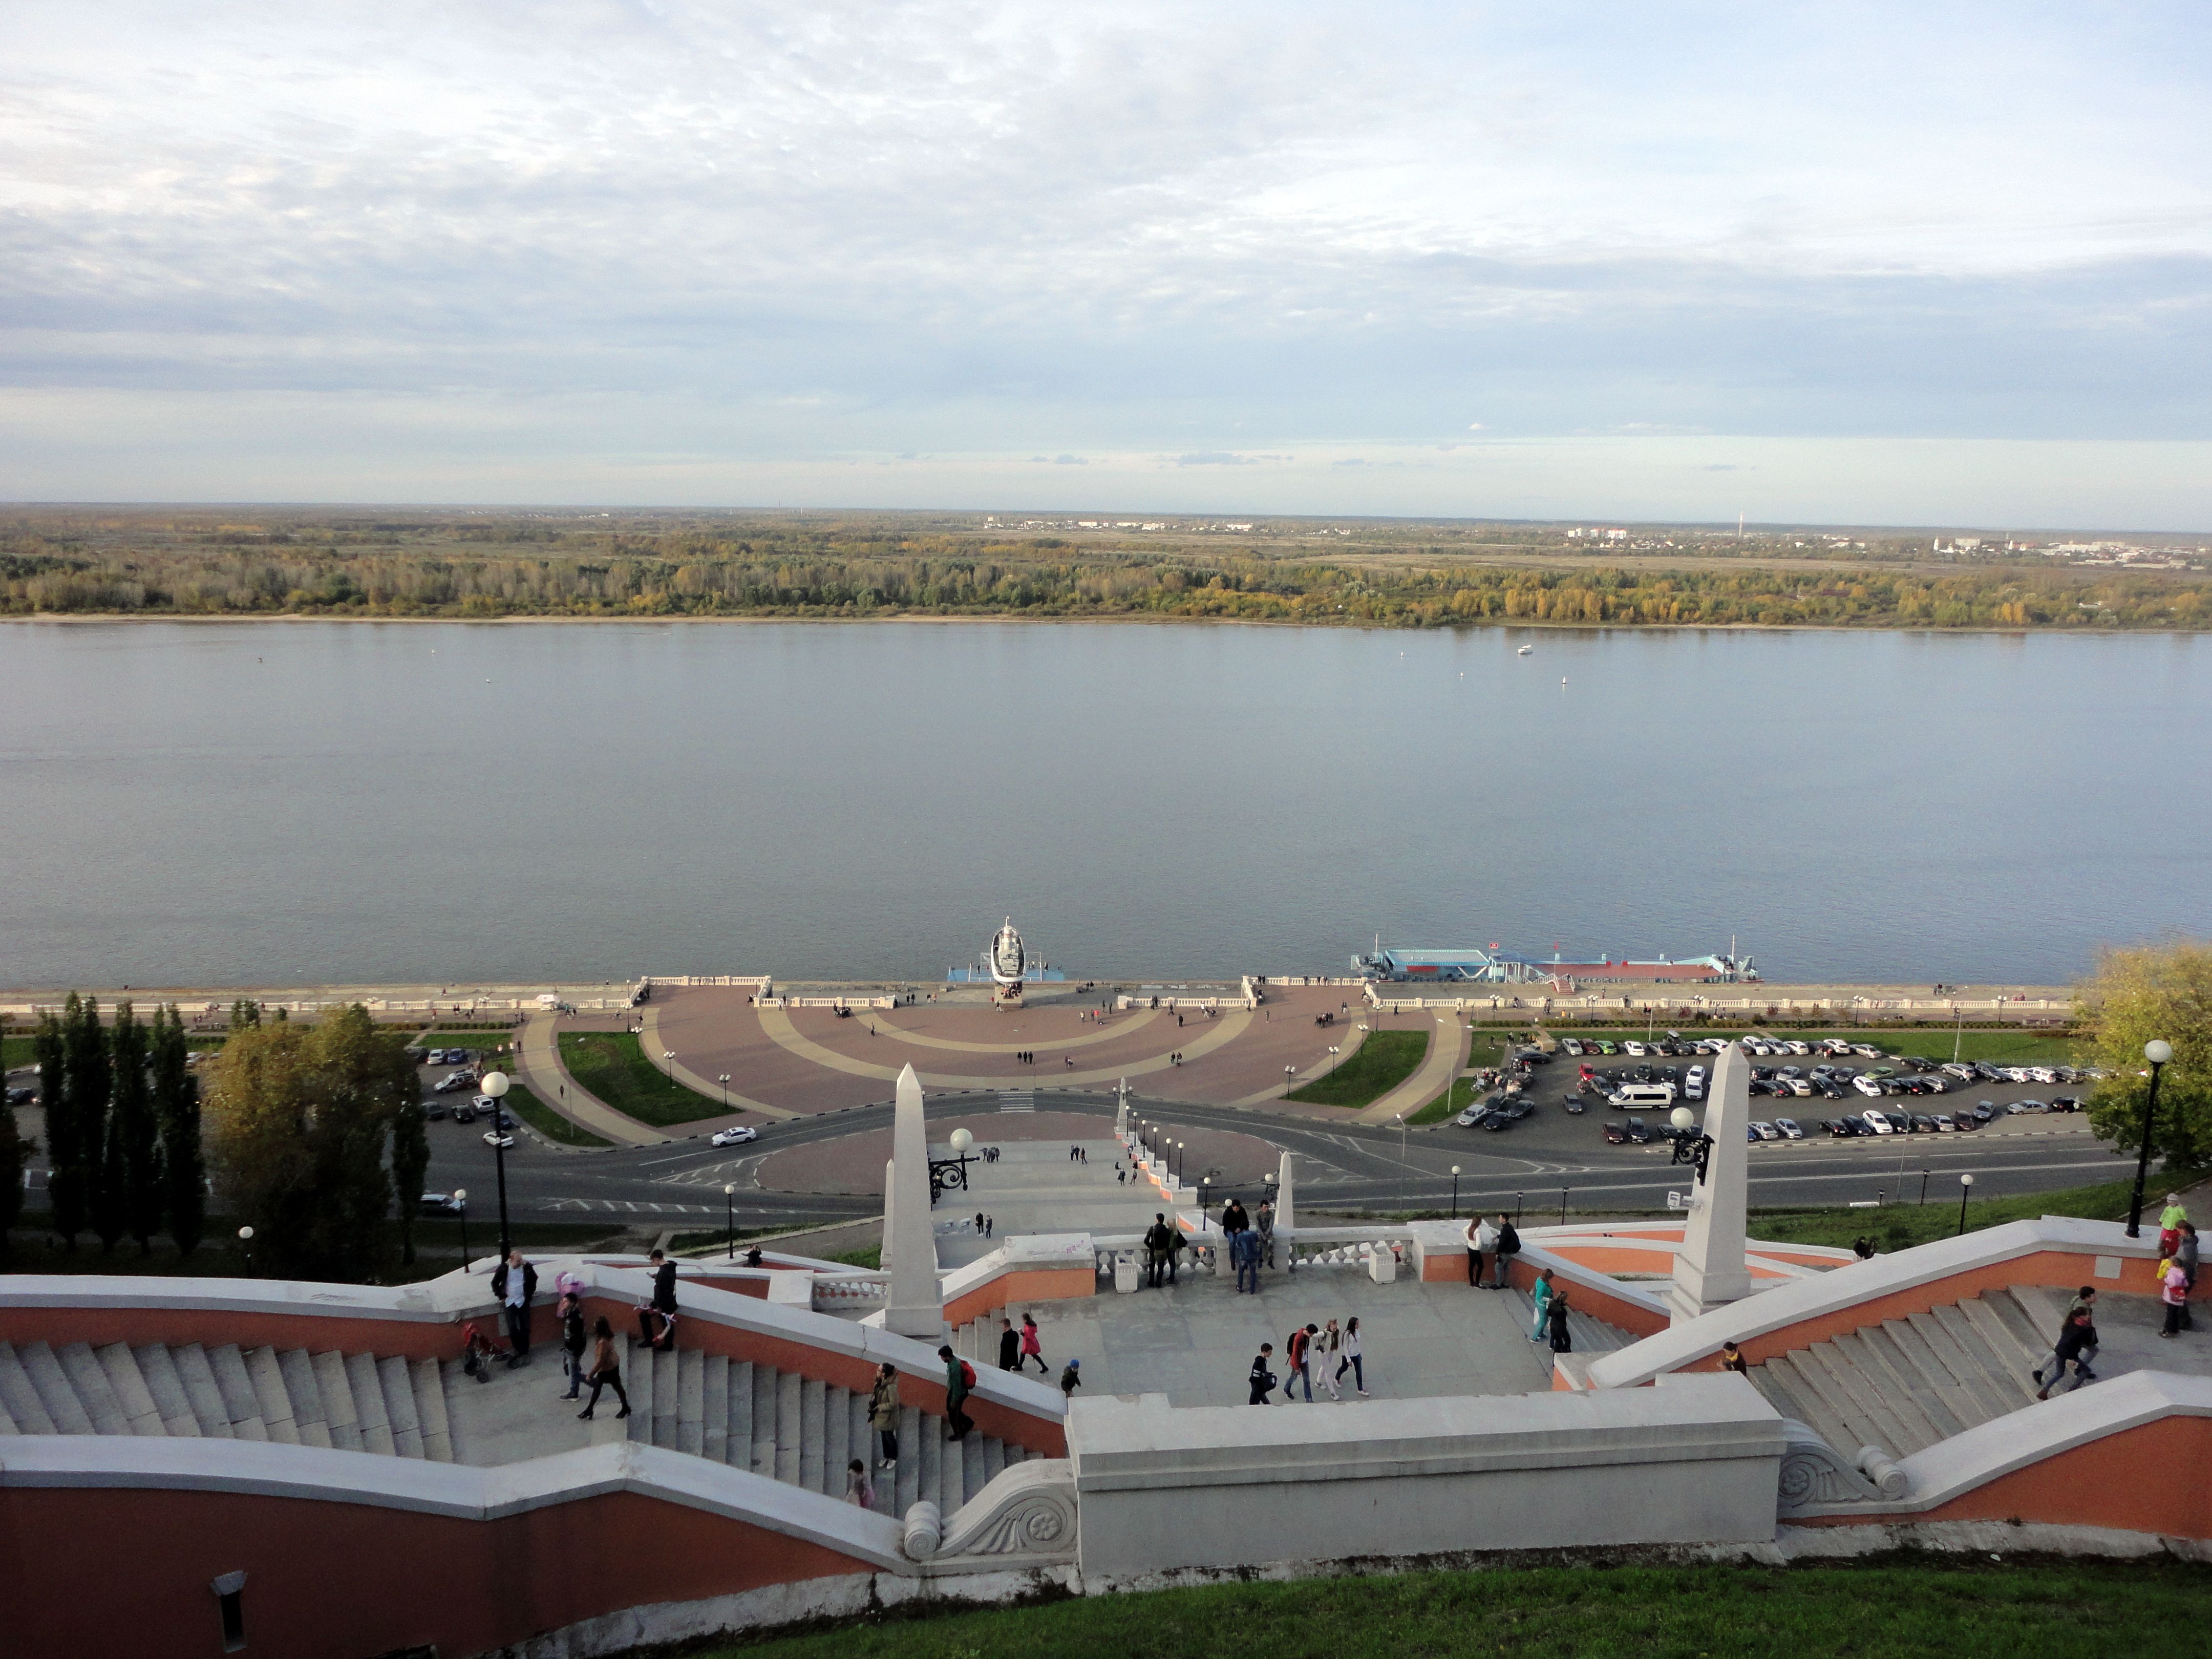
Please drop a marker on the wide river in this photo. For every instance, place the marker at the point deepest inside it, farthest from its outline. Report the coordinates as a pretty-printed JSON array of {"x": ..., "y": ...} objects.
[{"x": 283, "y": 803}]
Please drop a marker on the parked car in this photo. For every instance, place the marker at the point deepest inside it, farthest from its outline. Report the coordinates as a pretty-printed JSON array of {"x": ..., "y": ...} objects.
[
  {"x": 447, "y": 1086},
  {"x": 464, "y": 1113},
  {"x": 1789, "y": 1127},
  {"x": 1574, "y": 1102},
  {"x": 21, "y": 1096},
  {"x": 736, "y": 1136},
  {"x": 1959, "y": 1069},
  {"x": 1869, "y": 1086},
  {"x": 1985, "y": 1110},
  {"x": 441, "y": 1204},
  {"x": 1693, "y": 1085},
  {"x": 1616, "y": 1133},
  {"x": 432, "y": 1110},
  {"x": 1765, "y": 1131},
  {"x": 2025, "y": 1108},
  {"x": 1474, "y": 1113},
  {"x": 1965, "y": 1121},
  {"x": 1877, "y": 1122},
  {"x": 495, "y": 1138},
  {"x": 2065, "y": 1104},
  {"x": 1640, "y": 1132}
]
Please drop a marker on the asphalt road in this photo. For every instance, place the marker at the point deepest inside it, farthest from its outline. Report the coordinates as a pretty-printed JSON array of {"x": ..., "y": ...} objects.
[{"x": 1549, "y": 1159}]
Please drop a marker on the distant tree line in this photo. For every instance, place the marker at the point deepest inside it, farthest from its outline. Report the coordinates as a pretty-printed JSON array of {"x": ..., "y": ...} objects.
[{"x": 849, "y": 574}]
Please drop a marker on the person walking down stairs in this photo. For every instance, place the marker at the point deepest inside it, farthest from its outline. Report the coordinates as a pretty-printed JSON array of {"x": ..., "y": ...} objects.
[
  {"x": 1032, "y": 1347},
  {"x": 1009, "y": 1346},
  {"x": 959, "y": 1378},
  {"x": 1542, "y": 1298},
  {"x": 884, "y": 1413}
]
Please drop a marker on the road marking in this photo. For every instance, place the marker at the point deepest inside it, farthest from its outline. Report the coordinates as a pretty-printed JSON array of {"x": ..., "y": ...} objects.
[{"x": 1025, "y": 1102}]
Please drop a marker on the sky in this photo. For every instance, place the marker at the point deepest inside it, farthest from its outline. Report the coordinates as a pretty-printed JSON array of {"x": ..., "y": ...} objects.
[{"x": 1867, "y": 264}]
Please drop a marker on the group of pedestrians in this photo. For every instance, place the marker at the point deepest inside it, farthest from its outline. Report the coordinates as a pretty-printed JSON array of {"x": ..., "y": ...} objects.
[
  {"x": 1312, "y": 1352},
  {"x": 1491, "y": 1244},
  {"x": 1251, "y": 1241}
]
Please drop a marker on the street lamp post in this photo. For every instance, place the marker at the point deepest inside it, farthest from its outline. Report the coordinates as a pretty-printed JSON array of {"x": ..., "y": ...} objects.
[
  {"x": 1965, "y": 1191},
  {"x": 668, "y": 1063},
  {"x": 2157, "y": 1051},
  {"x": 729, "y": 1216},
  {"x": 1204, "y": 1198},
  {"x": 1333, "y": 1051},
  {"x": 461, "y": 1208},
  {"x": 1182, "y": 1162},
  {"x": 1405, "y": 1191},
  {"x": 246, "y": 1244},
  {"x": 1455, "y": 1191},
  {"x": 495, "y": 1084},
  {"x": 724, "y": 1080}
]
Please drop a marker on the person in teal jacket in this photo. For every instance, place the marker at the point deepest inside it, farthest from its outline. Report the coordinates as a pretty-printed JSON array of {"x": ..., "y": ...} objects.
[{"x": 1543, "y": 1296}]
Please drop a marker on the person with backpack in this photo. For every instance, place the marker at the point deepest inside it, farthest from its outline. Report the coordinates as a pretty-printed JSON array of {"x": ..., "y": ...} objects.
[
  {"x": 1297, "y": 1351},
  {"x": 959, "y": 1381},
  {"x": 1262, "y": 1379},
  {"x": 1032, "y": 1347},
  {"x": 884, "y": 1413},
  {"x": 1509, "y": 1246}
]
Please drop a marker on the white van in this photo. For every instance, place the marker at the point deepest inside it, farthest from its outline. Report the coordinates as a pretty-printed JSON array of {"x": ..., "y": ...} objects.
[{"x": 1632, "y": 1095}]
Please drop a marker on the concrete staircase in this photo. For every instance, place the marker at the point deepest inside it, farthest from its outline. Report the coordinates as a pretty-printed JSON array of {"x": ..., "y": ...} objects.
[
  {"x": 1589, "y": 1336},
  {"x": 352, "y": 1402},
  {"x": 1906, "y": 1383},
  {"x": 794, "y": 1428}
]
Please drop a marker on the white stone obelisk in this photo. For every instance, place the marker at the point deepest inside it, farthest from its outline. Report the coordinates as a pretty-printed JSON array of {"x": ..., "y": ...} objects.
[
  {"x": 1709, "y": 1270},
  {"x": 914, "y": 1306},
  {"x": 1283, "y": 1209}
]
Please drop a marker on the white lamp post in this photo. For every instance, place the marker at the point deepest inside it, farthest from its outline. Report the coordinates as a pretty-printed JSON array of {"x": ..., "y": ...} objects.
[{"x": 495, "y": 1084}]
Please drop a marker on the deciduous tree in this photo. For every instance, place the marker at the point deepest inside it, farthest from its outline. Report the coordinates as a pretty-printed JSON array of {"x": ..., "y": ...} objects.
[
  {"x": 2147, "y": 991},
  {"x": 298, "y": 1121}
]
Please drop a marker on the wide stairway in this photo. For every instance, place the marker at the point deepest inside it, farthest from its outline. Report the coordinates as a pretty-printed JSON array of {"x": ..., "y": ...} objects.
[
  {"x": 796, "y": 1429},
  {"x": 1906, "y": 1383},
  {"x": 353, "y": 1403}
]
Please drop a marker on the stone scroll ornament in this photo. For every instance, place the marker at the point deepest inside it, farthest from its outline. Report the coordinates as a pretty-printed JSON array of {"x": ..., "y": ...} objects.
[
  {"x": 1815, "y": 1473},
  {"x": 1027, "y": 1510}
]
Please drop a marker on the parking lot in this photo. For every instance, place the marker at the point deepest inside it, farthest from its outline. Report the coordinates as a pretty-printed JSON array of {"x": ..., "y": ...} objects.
[{"x": 1803, "y": 1093}]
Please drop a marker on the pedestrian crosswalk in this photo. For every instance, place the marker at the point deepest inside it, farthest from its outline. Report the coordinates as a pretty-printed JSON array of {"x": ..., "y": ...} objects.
[
  {"x": 1019, "y": 1101},
  {"x": 622, "y": 1205}
]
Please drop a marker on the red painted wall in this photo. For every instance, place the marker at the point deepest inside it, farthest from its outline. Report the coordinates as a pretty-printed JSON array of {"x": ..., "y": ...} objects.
[{"x": 345, "y": 1580}]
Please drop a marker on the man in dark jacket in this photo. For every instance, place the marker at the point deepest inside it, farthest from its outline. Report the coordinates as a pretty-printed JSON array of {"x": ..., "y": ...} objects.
[
  {"x": 515, "y": 1285},
  {"x": 1233, "y": 1218},
  {"x": 2078, "y": 1339},
  {"x": 1156, "y": 1250},
  {"x": 1009, "y": 1346},
  {"x": 1262, "y": 1379},
  {"x": 956, "y": 1394},
  {"x": 1509, "y": 1246},
  {"x": 656, "y": 1320}
]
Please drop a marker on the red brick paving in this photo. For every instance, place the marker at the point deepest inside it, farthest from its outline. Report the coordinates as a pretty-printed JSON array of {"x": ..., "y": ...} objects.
[{"x": 716, "y": 1030}]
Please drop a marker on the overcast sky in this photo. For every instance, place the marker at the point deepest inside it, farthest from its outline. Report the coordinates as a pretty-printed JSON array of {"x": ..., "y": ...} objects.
[{"x": 1862, "y": 262}]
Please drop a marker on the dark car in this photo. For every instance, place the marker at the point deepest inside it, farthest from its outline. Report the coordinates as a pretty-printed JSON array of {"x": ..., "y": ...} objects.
[
  {"x": 432, "y": 1110},
  {"x": 1984, "y": 1110},
  {"x": 1987, "y": 1072},
  {"x": 1574, "y": 1102},
  {"x": 21, "y": 1096},
  {"x": 1640, "y": 1132},
  {"x": 1832, "y": 1090},
  {"x": 464, "y": 1113},
  {"x": 1923, "y": 1124},
  {"x": 2065, "y": 1103},
  {"x": 1615, "y": 1133},
  {"x": 1966, "y": 1120}
]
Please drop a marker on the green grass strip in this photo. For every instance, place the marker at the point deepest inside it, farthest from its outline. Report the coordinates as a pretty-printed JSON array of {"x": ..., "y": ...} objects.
[
  {"x": 1384, "y": 1061},
  {"x": 1966, "y": 1607},
  {"x": 612, "y": 1065},
  {"x": 1899, "y": 1225},
  {"x": 547, "y": 1121}
]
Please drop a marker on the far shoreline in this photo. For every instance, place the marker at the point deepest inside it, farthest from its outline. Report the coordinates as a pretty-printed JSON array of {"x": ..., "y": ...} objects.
[{"x": 89, "y": 619}]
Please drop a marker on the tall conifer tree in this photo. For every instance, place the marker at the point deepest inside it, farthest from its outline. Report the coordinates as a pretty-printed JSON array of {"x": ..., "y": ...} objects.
[
  {"x": 136, "y": 1166},
  {"x": 177, "y": 1113},
  {"x": 53, "y": 1095}
]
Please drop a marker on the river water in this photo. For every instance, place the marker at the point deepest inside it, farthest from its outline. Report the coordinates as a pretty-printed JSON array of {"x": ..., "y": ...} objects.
[{"x": 281, "y": 803}]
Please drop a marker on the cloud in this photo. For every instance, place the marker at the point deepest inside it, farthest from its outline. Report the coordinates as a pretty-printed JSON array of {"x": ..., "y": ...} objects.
[
  {"x": 959, "y": 227},
  {"x": 1069, "y": 461}
]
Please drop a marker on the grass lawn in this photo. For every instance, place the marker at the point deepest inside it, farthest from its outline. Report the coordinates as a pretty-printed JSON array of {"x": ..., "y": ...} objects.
[
  {"x": 1384, "y": 1061},
  {"x": 547, "y": 1121},
  {"x": 1899, "y": 1226},
  {"x": 715, "y": 1238},
  {"x": 1965, "y": 1607},
  {"x": 1488, "y": 1048},
  {"x": 612, "y": 1065}
]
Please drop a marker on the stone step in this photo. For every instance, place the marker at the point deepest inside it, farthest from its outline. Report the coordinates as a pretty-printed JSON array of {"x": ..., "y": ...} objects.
[
  {"x": 19, "y": 1396},
  {"x": 690, "y": 1388},
  {"x": 56, "y": 1392},
  {"x": 93, "y": 1389},
  {"x": 427, "y": 1382},
  {"x": 340, "y": 1415},
  {"x": 202, "y": 1389},
  {"x": 715, "y": 1409},
  {"x": 158, "y": 1366},
  {"x": 368, "y": 1404},
  {"x": 129, "y": 1385},
  {"x": 398, "y": 1387},
  {"x": 297, "y": 1369}
]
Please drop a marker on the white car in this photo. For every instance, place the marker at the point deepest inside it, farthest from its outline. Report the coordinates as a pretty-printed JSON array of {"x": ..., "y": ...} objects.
[
  {"x": 2043, "y": 1073},
  {"x": 1797, "y": 1048},
  {"x": 735, "y": 1137},
  {"x": 1871, "y": 1051},
  {"x": 1959, "y": 1069},
  {"x": 1878, "y": 1123},
  {"x": 1635, "y": 1048},
  {"x": 1789, "y": 1129},
  {"x": 1693, "y": 1085},
  {"x": 1869, "y": 1086},
  {"x": 494, "y": 1138},
  {"x": 1766, "y": 1132},
  {"x": 1793, "y": 1086}
]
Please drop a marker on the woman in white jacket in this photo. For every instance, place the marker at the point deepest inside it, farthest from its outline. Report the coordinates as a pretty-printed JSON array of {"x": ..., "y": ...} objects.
[
  {"x": 1324, "y": 1359},
  {"x": 1348, "y": 1347}
]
